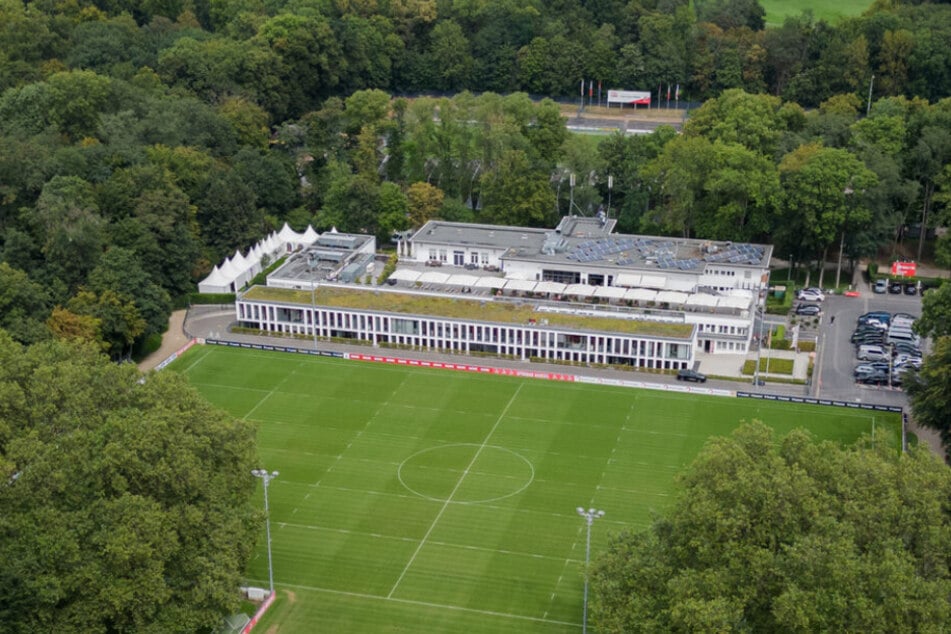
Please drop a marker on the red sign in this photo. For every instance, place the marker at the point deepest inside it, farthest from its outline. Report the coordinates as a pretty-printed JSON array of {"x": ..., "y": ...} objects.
[{"x": 904, "y": 269}]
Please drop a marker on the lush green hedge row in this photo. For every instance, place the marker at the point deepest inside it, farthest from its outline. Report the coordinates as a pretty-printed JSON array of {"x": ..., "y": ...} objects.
[{"x": 211, "y": 298}]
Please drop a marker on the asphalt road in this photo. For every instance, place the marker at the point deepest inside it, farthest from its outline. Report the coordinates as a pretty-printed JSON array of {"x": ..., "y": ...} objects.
[{"x": 833, "y": 379}]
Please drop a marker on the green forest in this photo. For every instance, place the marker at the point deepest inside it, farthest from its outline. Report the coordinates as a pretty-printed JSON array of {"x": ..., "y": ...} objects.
[{"x": 145, "y": 141}]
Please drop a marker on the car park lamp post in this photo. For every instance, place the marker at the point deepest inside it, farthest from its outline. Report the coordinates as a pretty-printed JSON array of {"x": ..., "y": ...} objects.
[
  {"x": 267, "y": 476},
  {"x": 590, "y": 515}
]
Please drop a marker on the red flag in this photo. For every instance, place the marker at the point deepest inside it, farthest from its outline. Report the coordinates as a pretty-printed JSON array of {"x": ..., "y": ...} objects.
[
  {"x": 668, "y": 92},
  {"x": 591, "y": 88}
]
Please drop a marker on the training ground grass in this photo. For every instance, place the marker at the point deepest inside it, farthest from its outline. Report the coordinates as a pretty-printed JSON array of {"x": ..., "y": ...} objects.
[
  {"x": 414, "y": 500},
  {"x": 779, "y": 10}
]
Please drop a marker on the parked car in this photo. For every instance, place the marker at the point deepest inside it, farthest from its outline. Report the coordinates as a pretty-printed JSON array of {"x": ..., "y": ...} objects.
[
  {"x": 878, "y": 378},
  {"x": 871, "y": 352},
  {"x": 895, "y": 288},
  {"x": 691, "y": 375},
  {"x": 905, "y": 316},
  {"x": 911, "y": 288},
  {"x": 869, "y": 340},
  {"x": 808, "y": 309},
  {"x": 876, "y": 315},
  {"x": 810, "y": 295},
  {"x": 906, "y": 348},
  {"x": 861, "y": 333},
  {"x": 881, "y": 286},
  {"x": 870, "y": 368}
]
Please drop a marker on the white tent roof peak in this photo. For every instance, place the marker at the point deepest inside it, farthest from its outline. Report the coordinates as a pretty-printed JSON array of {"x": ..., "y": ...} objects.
[{"x": 310, "y": 236}]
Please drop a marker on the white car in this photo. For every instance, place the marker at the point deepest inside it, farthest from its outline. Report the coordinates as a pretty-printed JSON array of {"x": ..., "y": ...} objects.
[{"x": 811, "y": 295}]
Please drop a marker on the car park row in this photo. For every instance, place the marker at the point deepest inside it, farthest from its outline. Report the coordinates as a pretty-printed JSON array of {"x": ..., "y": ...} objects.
[{"x": 888, "y": 346}]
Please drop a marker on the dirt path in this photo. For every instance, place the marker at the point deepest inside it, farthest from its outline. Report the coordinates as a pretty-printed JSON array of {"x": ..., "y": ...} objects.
[{"x": 173, "y": 339}]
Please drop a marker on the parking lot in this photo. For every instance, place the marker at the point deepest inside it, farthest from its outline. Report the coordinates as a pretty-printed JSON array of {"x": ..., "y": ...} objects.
[{"x": 833, "y": 376}]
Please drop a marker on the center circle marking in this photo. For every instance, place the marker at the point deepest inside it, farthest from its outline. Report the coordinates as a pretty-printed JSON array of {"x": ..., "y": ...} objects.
[{"x": 522, "y": 464}]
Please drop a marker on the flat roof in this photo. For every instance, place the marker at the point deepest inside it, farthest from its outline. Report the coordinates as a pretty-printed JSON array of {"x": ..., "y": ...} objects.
[
  {"x": 581, "y": 240},
  {"x": 476, "y": 309}
]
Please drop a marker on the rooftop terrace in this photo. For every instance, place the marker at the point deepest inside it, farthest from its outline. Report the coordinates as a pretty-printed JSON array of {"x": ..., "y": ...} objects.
[{"x": 483, "y": 309}]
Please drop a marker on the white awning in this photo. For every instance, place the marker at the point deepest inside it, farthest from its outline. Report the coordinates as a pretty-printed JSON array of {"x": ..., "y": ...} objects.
[
  {"x": 702, "y": 300},
  {"x": 517, "y": 275},
  {"x": 433, "y": 277},
  {"x": 640, "y": 295},
  {"x": 672, "y": 297},
  {"x": 612, "y": 292},
  {"x": 405, "y": 275},
  {"x": 631, "y": 280},
  {"x": 551, "y": 288},
  {"x": 675, "y": 284},
  {"x": 462, "y": 280},
  {"x": 581, "y": 290},
  {"x": 739, "y": 303},
  {"x": 653, "y": 281},
  {"x": 489, "y": 282},
  {"x": 519, "y": 285}
]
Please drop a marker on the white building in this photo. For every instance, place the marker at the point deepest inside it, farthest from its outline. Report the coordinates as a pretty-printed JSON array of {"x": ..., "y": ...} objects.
[
  {"x": 714, "y": 285},
  {"x": 430, "y": 321}
]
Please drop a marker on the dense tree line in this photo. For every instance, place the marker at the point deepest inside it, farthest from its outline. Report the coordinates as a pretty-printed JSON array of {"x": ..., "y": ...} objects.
[{"x": 144, "y": 142}]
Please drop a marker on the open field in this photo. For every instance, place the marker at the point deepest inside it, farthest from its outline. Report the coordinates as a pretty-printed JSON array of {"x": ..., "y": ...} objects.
[
  {"x": 417, "y": 500},
  {"x": 779, "y": 10}
]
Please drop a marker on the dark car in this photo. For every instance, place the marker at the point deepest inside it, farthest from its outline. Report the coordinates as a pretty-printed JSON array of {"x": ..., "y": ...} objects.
[
  {"x": 895, "y": 288},
  {"x": 879, "y": 378},
  {"x": 869, "y": 340},
  {"x": 911, "y": 289},
  {"x": 691, "y": 375},
  {"x": 906, "y": 348},
  {"x": 863, "y": 331},
  {"x": 808, "y": 309},
  {"x": 879, "y": 315}
]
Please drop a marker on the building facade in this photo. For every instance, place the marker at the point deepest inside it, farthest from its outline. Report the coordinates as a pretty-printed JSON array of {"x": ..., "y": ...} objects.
[{"x": 328, "y": 312}]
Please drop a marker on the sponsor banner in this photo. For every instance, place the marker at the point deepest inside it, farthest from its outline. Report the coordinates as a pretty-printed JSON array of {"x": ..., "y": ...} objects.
[
  {"x": 904, "y": 269},
  {"x": 260, "y": 613},
  {"x": 821, "y": 401},
  {"x": 629, "y": 97},
  {"x": 176, "y": 354}
]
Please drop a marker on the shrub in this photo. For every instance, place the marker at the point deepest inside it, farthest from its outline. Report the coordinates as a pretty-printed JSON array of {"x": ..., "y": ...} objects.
[{"x": 211, "y": 298}]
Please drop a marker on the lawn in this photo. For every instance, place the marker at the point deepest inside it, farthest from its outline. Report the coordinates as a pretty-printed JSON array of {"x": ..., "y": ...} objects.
[
  {"x": 779, "y": 10},
  {"x": 416, "y": 500}
]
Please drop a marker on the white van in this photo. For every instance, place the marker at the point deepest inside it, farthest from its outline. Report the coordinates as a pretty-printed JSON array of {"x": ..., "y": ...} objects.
[{"x": 872, "y": 352}]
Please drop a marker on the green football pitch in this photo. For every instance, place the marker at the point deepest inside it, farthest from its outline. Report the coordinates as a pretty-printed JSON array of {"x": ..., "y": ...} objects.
[{"x": 414, "y": 500}]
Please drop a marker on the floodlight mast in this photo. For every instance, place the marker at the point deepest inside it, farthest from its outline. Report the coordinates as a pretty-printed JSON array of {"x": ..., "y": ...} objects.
[
  {"x": 267, "y": 476},
  {"x": 590, "y": 515}
]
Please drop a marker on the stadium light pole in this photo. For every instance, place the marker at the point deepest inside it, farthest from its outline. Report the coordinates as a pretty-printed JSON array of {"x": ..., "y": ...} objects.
[
  {"x": 267, "y": 476},
  {"x": 313, "y": 312},
  {"x": 590, "y": 515}
]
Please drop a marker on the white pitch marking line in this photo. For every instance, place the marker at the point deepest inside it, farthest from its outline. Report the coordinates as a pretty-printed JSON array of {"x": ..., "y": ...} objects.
[{"x": 454, "y": 490}]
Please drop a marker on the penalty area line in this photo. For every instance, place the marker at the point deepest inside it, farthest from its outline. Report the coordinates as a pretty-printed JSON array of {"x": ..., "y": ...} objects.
[{"x": 427, "y": 604}]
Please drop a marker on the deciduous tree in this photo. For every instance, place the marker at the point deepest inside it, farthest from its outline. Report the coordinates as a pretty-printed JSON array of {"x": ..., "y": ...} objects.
[
  {"x": 771, "y": 535},
  {"x": 126, "y": 502}
]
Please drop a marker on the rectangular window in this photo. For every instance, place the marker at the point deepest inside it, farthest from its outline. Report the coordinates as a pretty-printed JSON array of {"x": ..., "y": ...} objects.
[{"x": 442, "y": 255}]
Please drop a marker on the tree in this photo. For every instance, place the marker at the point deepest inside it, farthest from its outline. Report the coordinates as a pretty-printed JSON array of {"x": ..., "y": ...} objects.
[
  {"x": 930, "y": 389},
  {"x": 773, "y": 535},
  {"x": 126, "y": 502},
  {"x": 423, "y": 203},
  {"x": 119, "y": 319},
  {"x": 514, "y": 195},
  {"x": 23, "y": 305},
  {"x": 819, "y": 186}
]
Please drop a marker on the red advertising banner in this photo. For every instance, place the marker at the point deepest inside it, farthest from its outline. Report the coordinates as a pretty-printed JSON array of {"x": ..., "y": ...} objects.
[{"x": 904, "y": 269}]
